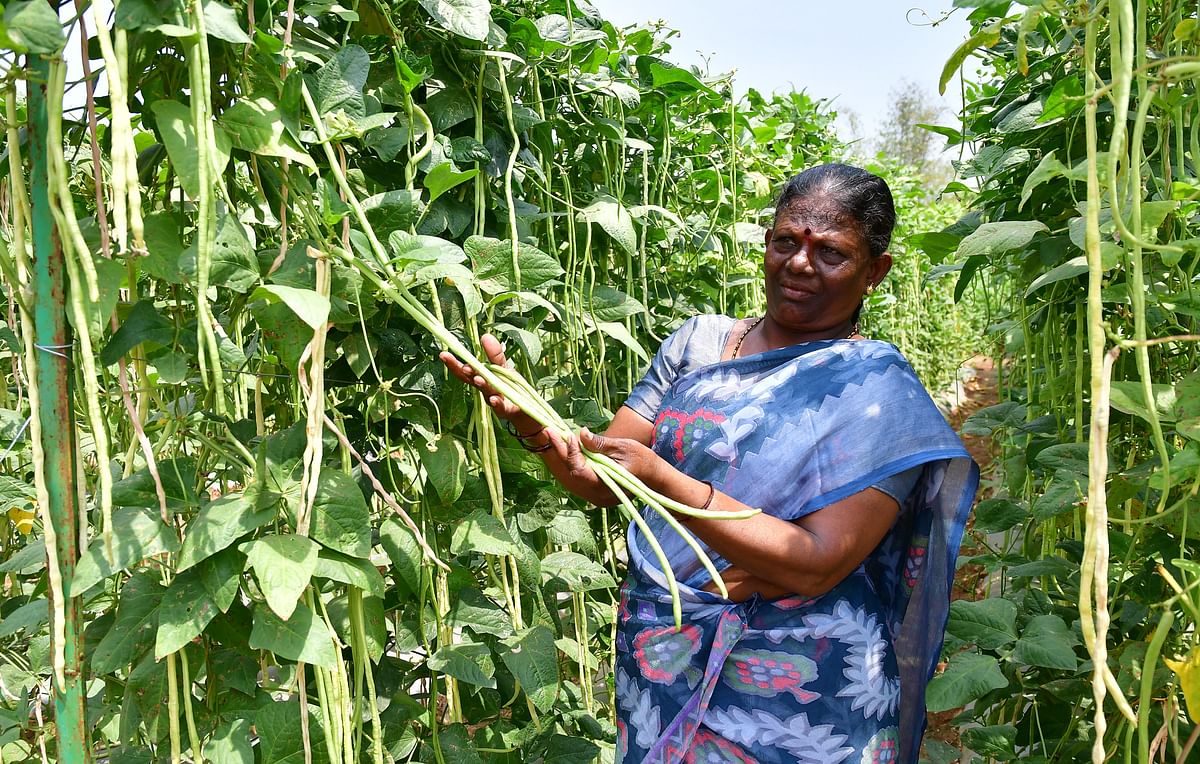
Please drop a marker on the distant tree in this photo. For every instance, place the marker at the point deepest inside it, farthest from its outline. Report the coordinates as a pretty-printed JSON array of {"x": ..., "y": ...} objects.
[{"x": 902, "y": 140}]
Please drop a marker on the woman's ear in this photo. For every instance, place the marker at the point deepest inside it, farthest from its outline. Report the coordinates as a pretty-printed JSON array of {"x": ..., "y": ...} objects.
[
  {"x": 767, "y": 236},
  {"x": 880, "y": 267}
]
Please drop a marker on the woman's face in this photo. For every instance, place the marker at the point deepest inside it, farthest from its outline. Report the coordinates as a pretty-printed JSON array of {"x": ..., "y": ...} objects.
[{"x": 818, "y": 266}]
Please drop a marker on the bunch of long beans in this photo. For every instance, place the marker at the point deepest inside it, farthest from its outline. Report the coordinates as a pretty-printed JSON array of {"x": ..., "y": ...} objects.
[{"x": 624, "y": 485}]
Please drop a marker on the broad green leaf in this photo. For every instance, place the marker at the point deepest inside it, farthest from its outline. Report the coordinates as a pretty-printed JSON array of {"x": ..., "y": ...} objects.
[
  {"x": 466, "y": 18},
  {"x": 992, "y": 239},
  {"x": 457, "y": 746},
  {"x": 444, "y": 177},
  {"x": 987, "y": 421},
  {"x": 575, "y": 572},
  {"x": 1187, "y": 406},
  {"x": 1072, "y": 457},
  {"x": 392, "y": 211},
  {"x": 340, "y": 517},
  {"x": 411, "y": 248},
  {"x": 173, "y": 121},
  {"x": 669, "y": 78},
  {"x": 563, "y": 749},
  {"x": 445, "y": 463},
  {"x": 998, "y": 515},
  {"x": 1066, "y": 490},
  {"x": 232, "y": 261},
  {"x": 219, "y": 524},
  {"x": 26, "y": 617},
  {"x": 340, "y": 83},
  {"x": 474, "y": 610},
  {"x": 286, "y": 335},
  {"x": 222, "y": 576},
  {"x": 283, "y": 565},
  {"x": 469, "y": 662},
  {"x": 178, "y": 478},
  {"x": 163, "y": 247},
  {"x": 256, "y": 125},
  {"x": 608, "y": 304},
  {"x": 1046, "y": 641},
  {"x": 1076, "y": 266},
  {"x": 303, "y": 637},
  {"x": 349, "y": 570},
  {"x": 186, "y": 609},
  {"x": 989, "y": 623},
  {"x": 374, "y": 623},
  {"x": 449, "y": 107},
  {"x": 1129, "y": 397},
  {"x": 492, "y": 261},
  {"x": 134, "y": 629},
  {"x": 29, "y": 559},
  {"x": 1048, "y": 169},
  {"x": 482, "y": 532},
  {"x": 616, "y": 221},
  {"x": 137, "y": 534},
  {"x": 33, "y": 26},
  {"x": 968, "y": 676},
  {"x": 144, "y": 323},
  {"x": 404, "y": 552},
  {"x": 621, "y": 334},
  {"x": 994, "y": 741},
  {"x": 221, "y": 21},
  {"x": 986, "y": 37},
  {"x": 230, "y": 743},
  {"x": 281, "y": 738},
  {"x": 533, "y": 659},
  {"x": 309, "y": 306}
]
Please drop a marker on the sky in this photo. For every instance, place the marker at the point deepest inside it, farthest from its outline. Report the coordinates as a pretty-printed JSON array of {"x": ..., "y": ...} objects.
[{"x": 854, "y": 52}]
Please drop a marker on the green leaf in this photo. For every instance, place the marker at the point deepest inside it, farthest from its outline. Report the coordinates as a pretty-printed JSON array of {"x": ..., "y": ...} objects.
[
  {"x": 33, "y": 26},
  {"x": 1187, "y": 406},
  {"x": 1072, "y": 457},
  {"x": 1130, "y": 398},
  {"x": 457, "y": 747},
  {"x": 1066, "y": 490},
  {"x": 29, "y": 559},
  {"x": 303, "y": 637},
  {"x": 283, "y": 565},
  {"x": 134, "y": 629},
  {"x": 230, "y": 743},
  {"x": 469, "y": 662},
  {"x": 1073, "y": 268},
  {"x": 445, "y": 463},
  {"x": 986, "y": 37},
  {"x": 392, "y": 211},
  {"x": 482, "y": 532},
  {"x": 221, "y": 22},
  {"x": 993, "y": 741},
  {"x": 968, "y": 676},
  {"x": 309, "y": 306},
  {"x": 442, "y": 178},
  {"x": 1048, "y": 169},
  {"x": 256, "y": 125},
  {"x": 669, "y": 78},
  {"x": 620, "y": 333},
  {"x": 178, "y": 478},
  {"x": 1046, "y": 641},
  {"x": 163, "y": 247},
  {"x": 219, "y": 524},
  {"x": 187, "y": 608},
  {"x": 616, "y": 221},
  {"x": 137, "y": 534},
  {"x": 491, "y": 259},
  {"x": 466, "y": 18},
  {"x": 576, "y": 573},
  {"x": 173, "y": 122},
  {"x": 989, "y": 623},
  {"x": 141, "y": 325},
  {"x": 349, "y": 570},
  {"x": 26, "y": 617},
  {"x": 404, "y": 552},
  {"x": 608, "y": 304},
  {"x": 451, "y": 106},
  {"x": 281, "y": 738},
  {"x": 986, "y": 421},
  {"x": 474, "y": 610},
  {"x": 998, "y": 238},
  {"x": 232, "y": 263},
  {"x": 533, "y": 659},
  {"x": 340, "y": 517},
  {"x": 998, "y": 515},
  {"x": 340, "y": 83}
]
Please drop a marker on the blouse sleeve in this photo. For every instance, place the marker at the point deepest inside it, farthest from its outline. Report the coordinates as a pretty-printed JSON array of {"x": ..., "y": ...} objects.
[{"x": 649, "y": 392}]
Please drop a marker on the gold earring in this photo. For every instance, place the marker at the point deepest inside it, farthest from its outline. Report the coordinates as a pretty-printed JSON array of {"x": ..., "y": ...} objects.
[{"x": 871, "y": 289}]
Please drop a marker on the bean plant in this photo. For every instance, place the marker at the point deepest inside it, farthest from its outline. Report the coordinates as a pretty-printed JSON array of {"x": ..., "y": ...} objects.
[
  {"x": 298, "y": 540},
  {"x": 1084, "y": 130}
]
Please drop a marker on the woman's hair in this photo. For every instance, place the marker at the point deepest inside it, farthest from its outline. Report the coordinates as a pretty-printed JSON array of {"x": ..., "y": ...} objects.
[{"x": 863, "y": 195}]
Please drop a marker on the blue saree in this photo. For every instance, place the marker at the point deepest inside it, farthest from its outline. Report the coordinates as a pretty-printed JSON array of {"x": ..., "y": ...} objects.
[{"x": 836, "y": 678}]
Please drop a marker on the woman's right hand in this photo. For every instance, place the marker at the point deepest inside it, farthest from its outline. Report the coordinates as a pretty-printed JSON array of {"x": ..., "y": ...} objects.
[{"x": 504, "y": 408}]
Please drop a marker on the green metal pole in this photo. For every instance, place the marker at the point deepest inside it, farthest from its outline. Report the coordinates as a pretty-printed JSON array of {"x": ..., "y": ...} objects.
[{"x": 55, "y": 413}]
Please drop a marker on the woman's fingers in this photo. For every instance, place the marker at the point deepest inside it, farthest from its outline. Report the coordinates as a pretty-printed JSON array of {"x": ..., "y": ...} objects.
[{"x": 493, "y": 349}]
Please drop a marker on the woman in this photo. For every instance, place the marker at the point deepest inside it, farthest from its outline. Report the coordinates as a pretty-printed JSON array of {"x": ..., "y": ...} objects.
[{"x": 839, "y": 589}]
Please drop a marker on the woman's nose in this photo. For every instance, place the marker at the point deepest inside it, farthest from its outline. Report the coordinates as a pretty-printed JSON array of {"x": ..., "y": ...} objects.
[{"x": 801, "y": 262}]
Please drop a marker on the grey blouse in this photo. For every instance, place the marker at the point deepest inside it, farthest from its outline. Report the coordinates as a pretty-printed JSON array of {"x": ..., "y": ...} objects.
[{"x": 699, "y": 342}]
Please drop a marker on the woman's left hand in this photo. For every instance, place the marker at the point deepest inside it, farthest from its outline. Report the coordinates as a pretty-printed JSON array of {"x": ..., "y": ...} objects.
[{"x": 642, "y": 462}]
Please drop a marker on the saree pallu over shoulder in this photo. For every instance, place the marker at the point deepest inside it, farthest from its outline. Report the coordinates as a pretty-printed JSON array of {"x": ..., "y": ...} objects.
[{"x": 836, "y": 678}]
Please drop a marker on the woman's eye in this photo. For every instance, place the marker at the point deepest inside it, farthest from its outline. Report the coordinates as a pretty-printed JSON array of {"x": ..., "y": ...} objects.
[{"x": 785, "y": 244}]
